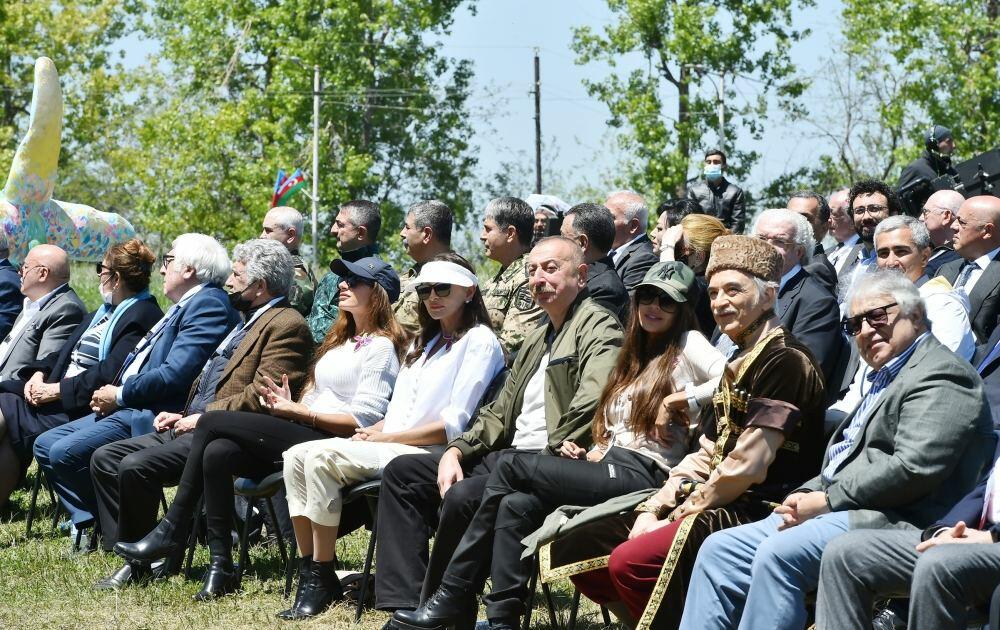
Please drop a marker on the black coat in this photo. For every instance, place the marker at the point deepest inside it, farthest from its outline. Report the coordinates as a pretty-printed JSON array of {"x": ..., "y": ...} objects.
[
  {"x": 11, "y": 299},
  {"x": 941, "y": 256},
  {"x": 809, "y": 311},
  {"x": 990, "y": 373},
  {"x": 820, "y": 267},
  {"x": 76, "y": 391},
  {"x": 984, "y": 298},
  {"x": 607, "y": 288},
  {"x": 927, "y": 167},
  {"x": 635, "y": 261},
  {"x": 724, "y": 201}
]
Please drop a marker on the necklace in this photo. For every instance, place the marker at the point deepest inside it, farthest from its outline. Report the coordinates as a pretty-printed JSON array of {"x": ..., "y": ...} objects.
[
  {"x": 362, "y": 340},
  {"x": 753, "y": 327},
  {"x": 447, "y": 339}
]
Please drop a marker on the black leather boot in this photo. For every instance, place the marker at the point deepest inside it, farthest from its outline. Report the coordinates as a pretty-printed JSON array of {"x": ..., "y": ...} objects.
[
  {"x": 323, "y": 590},
  {"x": 446, "y": 606},
  {"x": 305, "y": 573},
  {"x": 129, "y": 573},
  {"x": 505, "y": 623},
  {"x": 220, "y": 579},
  {"x": 159, "y": 543}
]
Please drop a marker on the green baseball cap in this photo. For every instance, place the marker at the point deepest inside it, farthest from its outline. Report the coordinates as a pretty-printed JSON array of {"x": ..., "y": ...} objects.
[{"x": 673, "y": 278}]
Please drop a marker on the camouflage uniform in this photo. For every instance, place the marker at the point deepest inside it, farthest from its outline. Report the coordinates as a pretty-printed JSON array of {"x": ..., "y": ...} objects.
[
  {"x": 300, "y": 294},
  {"x": 405, "y": 307},
  {"x": 513, "y": 311},
  {"x": 325, "y": 309}
]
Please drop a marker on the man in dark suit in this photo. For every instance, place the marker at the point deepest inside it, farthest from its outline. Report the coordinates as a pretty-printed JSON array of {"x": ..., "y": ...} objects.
[
  {"x": 11, "y": 299},
  {"x": 632, "y": 251},
  {"x": 938, "y": 215},
  {"x": 977, "y": 241},
  {"x": 813, "y": 207},
  {"x": 806, "y": 308},
  {"x": 945, "y": 570},
  {"x": 921, "y": 435},
  {"x": 593, "y": 228},
  {"x": 155, "y": 377},
  {"x": 51, "y": 311},
  {"x": 273, "y": 340}
]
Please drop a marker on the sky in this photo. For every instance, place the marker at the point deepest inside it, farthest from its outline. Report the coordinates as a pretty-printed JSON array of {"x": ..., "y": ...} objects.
[{"x": 500, "y": 39}]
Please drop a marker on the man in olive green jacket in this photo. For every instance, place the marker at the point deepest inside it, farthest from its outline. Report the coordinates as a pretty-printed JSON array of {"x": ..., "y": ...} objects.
[{"x": 549, "y": 397}]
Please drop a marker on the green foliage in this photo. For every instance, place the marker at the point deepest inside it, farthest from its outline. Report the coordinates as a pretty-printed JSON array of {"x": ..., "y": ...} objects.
[{"x": 680, "y": 45}]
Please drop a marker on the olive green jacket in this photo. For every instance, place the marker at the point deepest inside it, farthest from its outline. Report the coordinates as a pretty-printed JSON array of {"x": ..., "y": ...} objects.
[{"x": 581, "y": 357}]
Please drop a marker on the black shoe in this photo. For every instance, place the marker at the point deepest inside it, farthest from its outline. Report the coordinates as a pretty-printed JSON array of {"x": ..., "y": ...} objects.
[
  {"x": 446, "y": 606},
  {"x": 159, "y": 543},
  {"x": 129, "y": 573},
  {"x": 220, "y": 579},
  {"x": 888, "y": 620},
  {"x": 322, "y": 590},
  {"x": 305, "y": 572}
]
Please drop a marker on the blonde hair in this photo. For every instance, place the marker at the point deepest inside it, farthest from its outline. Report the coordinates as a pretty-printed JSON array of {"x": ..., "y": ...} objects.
[{"x": 701, "y": 230}]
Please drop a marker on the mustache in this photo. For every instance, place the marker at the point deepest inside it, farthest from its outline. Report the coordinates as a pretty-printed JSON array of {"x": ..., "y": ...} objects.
[{"x": 537, "y": 290}]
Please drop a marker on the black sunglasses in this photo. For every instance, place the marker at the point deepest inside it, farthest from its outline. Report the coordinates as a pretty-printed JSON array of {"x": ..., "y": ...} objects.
[
  {"x": 354, "y": 280},
  {"x": 101, "y": 267},
  {"x": 441, "y": 290},
  {"x": 648, "y": 295},
  {"x": 875, "y": 318}
]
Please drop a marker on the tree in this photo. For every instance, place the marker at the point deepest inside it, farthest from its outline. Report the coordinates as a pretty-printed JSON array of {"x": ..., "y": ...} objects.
[
  {"x": 681, "y": 44},
  {"x": 229, "y": 101}
]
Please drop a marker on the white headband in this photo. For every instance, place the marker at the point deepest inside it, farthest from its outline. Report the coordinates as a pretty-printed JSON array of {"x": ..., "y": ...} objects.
[{"x": 443, "y": 272}]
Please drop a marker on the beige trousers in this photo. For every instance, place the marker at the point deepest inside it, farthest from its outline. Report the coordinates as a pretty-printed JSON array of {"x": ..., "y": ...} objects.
[{"x": 317, "y": 472}]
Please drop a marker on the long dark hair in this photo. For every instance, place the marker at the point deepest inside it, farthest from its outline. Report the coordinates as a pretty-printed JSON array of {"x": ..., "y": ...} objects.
[
  {"x": 639, "y": 350},
  {"x": 474, "y": 312},
  {"x": 383, "y": 322}
]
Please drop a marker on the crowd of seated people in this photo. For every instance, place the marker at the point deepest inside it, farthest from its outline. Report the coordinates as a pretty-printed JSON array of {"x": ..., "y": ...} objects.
[{"x": 698, "y": 428}]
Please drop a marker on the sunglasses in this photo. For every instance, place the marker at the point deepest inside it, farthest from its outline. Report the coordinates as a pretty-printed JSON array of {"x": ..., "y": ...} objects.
[
  {"x": 100, "y": 268},
  {"x": 441, "y": 290},
  {"x": 649, "y": 295},
  {"x": 353, "y": 280},
  {"x": 876, "y": 318}
]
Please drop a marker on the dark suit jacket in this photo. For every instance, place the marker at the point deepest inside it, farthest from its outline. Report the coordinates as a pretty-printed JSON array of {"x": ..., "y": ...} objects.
[
  {"x": 607, "y": 289},
  {"x": 927, "y": 440},
  {"x": 984, "y": 298},
  {"x": 635, "y": 261},
  {"x": 75, "y": 392},
  {"x": 278, "y": 343},
  {"x": 820, "y": 268},
  {"x": 941, "y": 256},
  {"x": 11, "y": 299},
  {"x": 969, "y": 509},
  {"x": 46, "y": 333},
  {"x": 809, "y": 311},
  {"x": 180, "y": 352},
  {"x": 990, "y": 373}
]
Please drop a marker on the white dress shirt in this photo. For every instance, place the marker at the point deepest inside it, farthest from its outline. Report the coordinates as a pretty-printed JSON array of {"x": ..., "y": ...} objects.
[
  {"x": 838, "y": 255},
  {"x": 980, "y": 266}
]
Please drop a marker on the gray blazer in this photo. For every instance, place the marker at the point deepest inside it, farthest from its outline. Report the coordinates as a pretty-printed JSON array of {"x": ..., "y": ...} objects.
[
  {"x": 926, "y": 442},
  {"x": 51, "y": 326}
]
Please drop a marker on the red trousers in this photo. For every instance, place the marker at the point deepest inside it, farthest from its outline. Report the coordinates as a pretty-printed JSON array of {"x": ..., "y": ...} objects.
[{"x": 632, "y": 570}]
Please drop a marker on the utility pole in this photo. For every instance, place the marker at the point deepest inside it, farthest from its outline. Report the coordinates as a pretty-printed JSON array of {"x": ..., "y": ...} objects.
[
  {"x": 315, "y": 170},
  {"x": 722, "y": 111},
  {"x": 538, "y": 126}
]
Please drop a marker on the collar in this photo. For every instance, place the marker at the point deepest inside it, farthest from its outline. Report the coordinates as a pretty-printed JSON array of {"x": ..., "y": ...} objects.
[
  {"x": 921, "y": 281},
  {"x": 251, "y": 316},
  {"x": 42, "y": 301},
  {"x": 788, "y": 276},
  {"x": 357, "y": 254},
  {"x": 621, "y": 248},
  {"x": 191, "y": 293},
  {"x": 893, "y": 367},
  {"x": 851, "y": 242},
  {"x": 984, "y": 260}
]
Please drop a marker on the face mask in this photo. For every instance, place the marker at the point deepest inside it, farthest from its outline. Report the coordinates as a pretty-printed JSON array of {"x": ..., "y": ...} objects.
[
  {"x": 106, "y": 294},
  {"x": 713, "y": 172},
  {"x": 238, "y": 301}
]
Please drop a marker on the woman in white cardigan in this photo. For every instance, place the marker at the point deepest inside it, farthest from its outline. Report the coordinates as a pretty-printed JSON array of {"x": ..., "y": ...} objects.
[{"x": 444, "y": 376}]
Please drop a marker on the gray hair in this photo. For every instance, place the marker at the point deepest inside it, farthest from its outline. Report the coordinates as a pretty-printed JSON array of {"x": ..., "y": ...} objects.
[
  {"x": 435, "y": 215},
  {"x": 205, "y": 255},
  {"x": 635, "y": 208},
  {"x": 921, "y": 237},
  {"x": 890, "y": 282},
  {"x": 288, "y": 217},
  {"x": 507, "y": 211},
  {"x": 364, "y": 213},
  {"x": 762, "y": 287},
  {"x": 803, "y": 232},
  {"x": 269, "y": 261}
]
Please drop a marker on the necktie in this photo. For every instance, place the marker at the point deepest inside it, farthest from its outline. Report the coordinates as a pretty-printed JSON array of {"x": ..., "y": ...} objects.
[
  {"x": 965, "y": 274},
  {"x": 990, "y": 358}
]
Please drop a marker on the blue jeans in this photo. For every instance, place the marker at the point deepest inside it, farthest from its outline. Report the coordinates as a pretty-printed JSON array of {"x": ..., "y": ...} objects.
[
  {"x": 754, "y": 576},
  {"x": 64, "y": 454}
]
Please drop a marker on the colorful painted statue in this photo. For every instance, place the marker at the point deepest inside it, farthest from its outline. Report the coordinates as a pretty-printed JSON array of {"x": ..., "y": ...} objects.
[{"x": 28, "y": 213}]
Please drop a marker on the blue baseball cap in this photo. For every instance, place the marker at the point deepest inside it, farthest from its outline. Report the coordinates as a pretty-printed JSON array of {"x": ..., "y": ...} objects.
[{"x": 370, "y": 268}]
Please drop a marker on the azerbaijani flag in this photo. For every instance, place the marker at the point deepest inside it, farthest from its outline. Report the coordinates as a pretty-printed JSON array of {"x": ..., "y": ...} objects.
[{"x": 285, "y": 187}]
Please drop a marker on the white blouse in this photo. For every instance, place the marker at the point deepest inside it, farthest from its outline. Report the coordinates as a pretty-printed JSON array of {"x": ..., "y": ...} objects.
[
  {"x": 355, "y": 382},
  {"x": 698, "y": 370},
  {"x": 447, "y": 386}
]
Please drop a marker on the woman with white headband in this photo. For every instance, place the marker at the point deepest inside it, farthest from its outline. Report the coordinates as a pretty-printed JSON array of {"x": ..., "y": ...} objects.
[{"x": 445, "y": 374}]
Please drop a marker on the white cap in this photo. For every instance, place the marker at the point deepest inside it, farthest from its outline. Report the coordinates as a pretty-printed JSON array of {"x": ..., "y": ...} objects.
[{"x": 443, "y": 272}]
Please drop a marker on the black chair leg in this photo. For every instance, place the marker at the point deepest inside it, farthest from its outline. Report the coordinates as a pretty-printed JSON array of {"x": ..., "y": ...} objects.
[
  {"x": 244, "y": 543},
  {"x": 606, "y": 616},
  {"x": 369, "y": 557},
  {"x": 35, "y": 487},
  {"x": 293, "y": 554},
  {"x": 550, "y": 604},
  {"x": 530, "y": 604},
  {"x": 277, "y": 531},
  {"x": 573, "y": 608},
  {"x": 79, "y": 538},
  {"x": 193, "y": 539}
]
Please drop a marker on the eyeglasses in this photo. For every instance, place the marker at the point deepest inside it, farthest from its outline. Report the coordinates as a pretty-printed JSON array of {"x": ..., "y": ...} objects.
[
  {"x": 441, "y": 290},
  {"x": 776, "y": 241},
  {"x": 872, "y": 210},
  {"x": 24, "y": 270},
  {"x": 648, "y": 295},
  {"x": 876, "y": 318},
  {"x": 166, "y": 260},
  {"x": 352, "y": 280},
  {"x": 101, "y": 267}
]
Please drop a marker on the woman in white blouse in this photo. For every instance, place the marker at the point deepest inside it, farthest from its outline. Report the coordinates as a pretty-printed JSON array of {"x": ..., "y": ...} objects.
[
  {"x": 444, "y": 376},
  {"x": 665, "y": 370},
  {"x": 350, "y": 384}
]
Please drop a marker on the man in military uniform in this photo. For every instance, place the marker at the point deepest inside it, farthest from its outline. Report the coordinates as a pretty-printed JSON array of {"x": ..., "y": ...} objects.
[
  {"x": 507, "y": 233},
  {"x": 356, "y": 229},
  {"x": 426, "y": 233},
  {"x": 284, "y": 224}
]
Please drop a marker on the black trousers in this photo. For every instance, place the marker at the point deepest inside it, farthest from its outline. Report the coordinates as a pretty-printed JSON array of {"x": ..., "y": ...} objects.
[
  {"x": 410, "y": 512},
  {"x": 521, "y": 491}
]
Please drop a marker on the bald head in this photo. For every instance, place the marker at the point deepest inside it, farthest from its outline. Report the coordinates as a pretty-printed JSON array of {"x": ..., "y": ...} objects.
[
  {"x": 630, "y": 214},
  {"x": 841, "y": 223},
  {"x": 44, "y": 269},
  {"x": 939, "y": 213},
  {"x": 977, "y": 228}
]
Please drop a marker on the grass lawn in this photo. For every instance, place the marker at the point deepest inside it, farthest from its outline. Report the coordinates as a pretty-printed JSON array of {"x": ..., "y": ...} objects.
[{"x": 45, "y": 586}]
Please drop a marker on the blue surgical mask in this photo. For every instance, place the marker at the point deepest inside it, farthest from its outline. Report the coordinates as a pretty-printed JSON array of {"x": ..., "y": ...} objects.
[{"x": 713, "y": 172}]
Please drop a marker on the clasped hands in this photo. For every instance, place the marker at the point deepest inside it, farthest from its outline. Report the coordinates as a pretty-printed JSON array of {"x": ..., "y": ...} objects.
[
  {"x": 38, "y": 392},
  {"x": 180, "y": 423}
]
